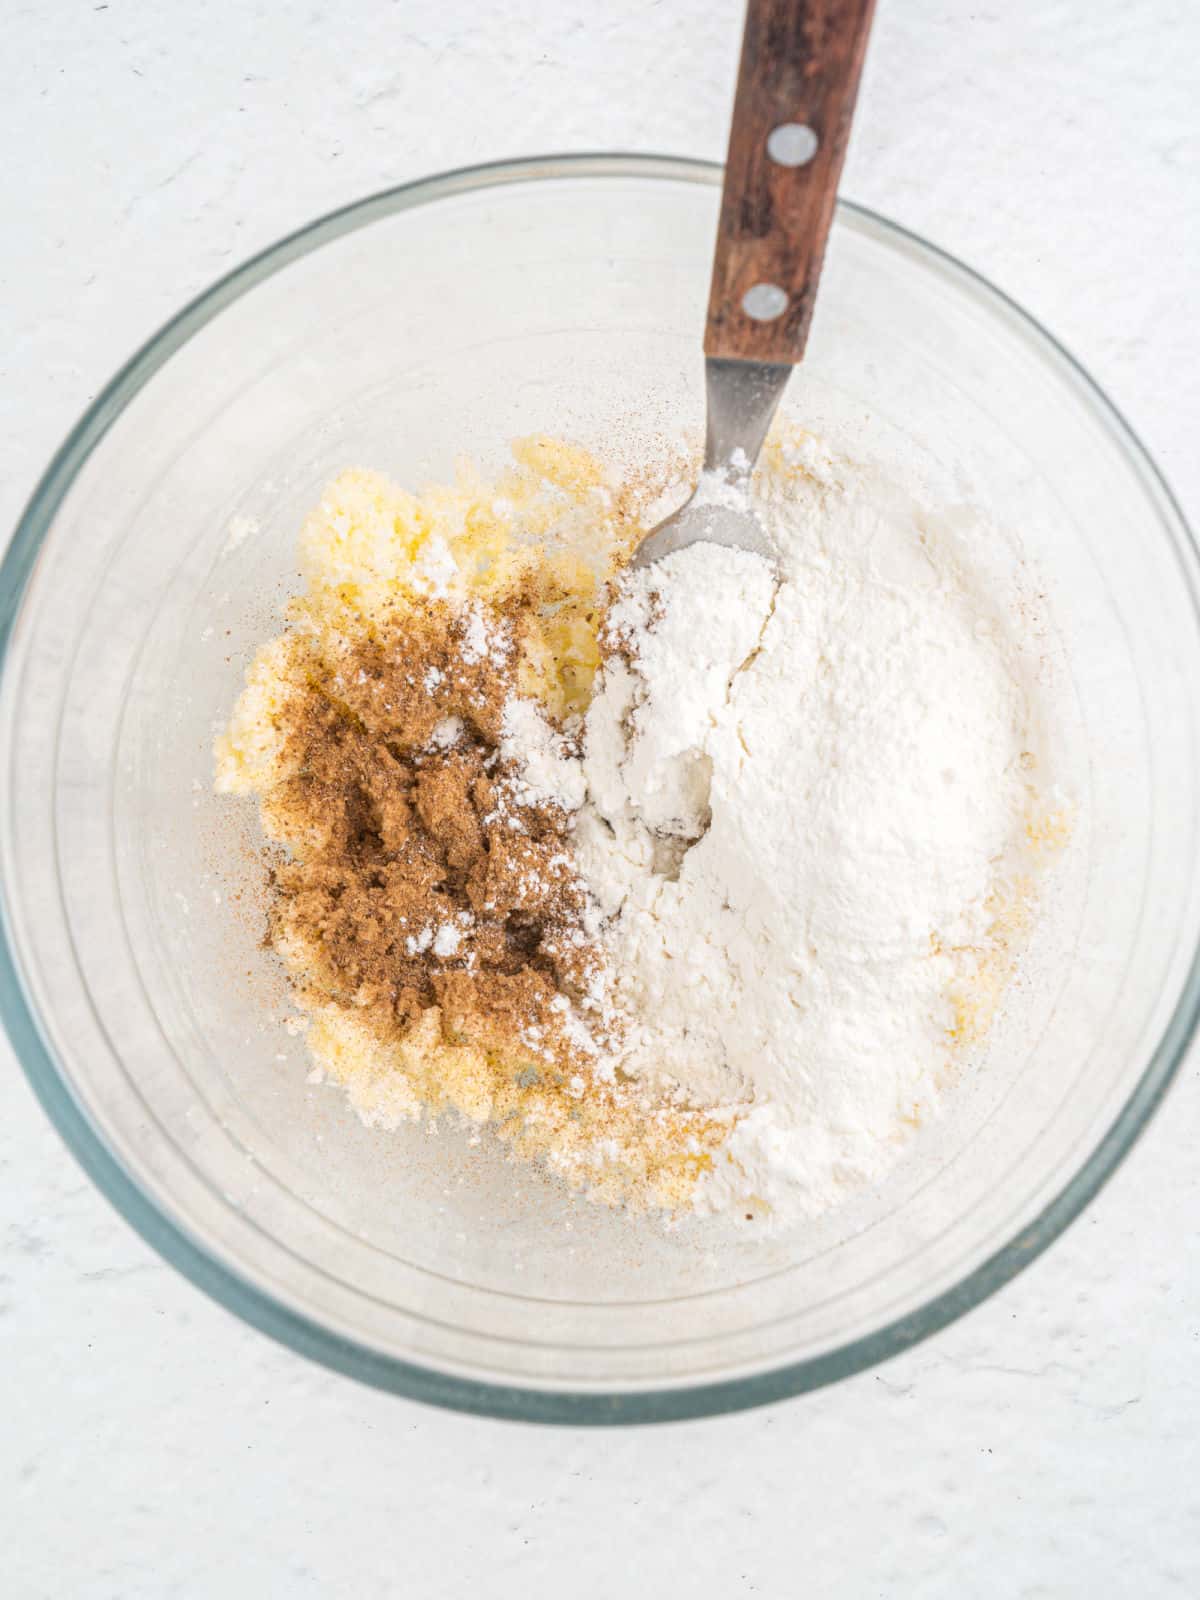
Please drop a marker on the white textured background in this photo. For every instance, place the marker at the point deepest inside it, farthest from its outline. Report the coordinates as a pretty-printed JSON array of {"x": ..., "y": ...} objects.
[{"x": 150, "y": 1446}]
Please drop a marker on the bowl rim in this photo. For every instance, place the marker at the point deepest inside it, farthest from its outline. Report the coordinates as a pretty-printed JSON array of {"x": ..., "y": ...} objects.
[{"x": 307, "y": 1336}]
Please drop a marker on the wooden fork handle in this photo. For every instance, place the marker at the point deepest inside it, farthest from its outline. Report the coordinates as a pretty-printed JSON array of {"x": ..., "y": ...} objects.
[{"x": 801, "y": 61}]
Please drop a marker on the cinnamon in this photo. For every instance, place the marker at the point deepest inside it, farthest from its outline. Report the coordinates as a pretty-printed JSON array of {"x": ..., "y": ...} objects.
[{"x": 423, "y": 879}]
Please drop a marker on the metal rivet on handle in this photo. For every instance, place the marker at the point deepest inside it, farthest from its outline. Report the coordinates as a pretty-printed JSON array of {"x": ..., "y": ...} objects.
[
  {"x": 792, "y": 144},
  {"x": 764, "y": 302}
]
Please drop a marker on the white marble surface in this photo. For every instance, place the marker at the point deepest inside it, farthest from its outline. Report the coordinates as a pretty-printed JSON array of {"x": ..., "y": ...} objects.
[{"x": 151, "y": 1446}]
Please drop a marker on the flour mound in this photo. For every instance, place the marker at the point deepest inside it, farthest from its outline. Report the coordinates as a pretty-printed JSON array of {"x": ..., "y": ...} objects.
[{"x": 806, "y": 798}]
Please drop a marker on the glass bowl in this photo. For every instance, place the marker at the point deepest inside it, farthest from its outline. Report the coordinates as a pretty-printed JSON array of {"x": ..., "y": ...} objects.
[{"x": 565, "y": 295}]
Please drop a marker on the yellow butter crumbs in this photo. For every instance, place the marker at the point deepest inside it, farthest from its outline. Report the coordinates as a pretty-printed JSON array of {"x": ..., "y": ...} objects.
[{"x": 551, "y": 530}]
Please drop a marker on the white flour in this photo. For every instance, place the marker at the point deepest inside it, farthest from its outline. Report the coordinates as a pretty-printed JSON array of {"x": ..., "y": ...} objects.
[{"x": 801, "y": 802}]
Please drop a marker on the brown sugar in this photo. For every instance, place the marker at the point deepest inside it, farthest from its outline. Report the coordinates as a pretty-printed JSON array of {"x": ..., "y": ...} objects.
[{"x": 423, "y": 879}]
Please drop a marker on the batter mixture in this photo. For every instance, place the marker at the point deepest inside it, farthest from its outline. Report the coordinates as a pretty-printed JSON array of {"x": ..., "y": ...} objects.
[{"x": 696, "y": 883}]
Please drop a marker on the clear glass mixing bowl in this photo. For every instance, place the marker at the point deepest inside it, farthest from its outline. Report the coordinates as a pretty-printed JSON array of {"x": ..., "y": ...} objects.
[{"x": 563, "y": 295}]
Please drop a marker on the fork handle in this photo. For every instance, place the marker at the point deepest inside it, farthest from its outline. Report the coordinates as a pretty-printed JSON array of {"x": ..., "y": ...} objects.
[{"x": 801, "y": 61}]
